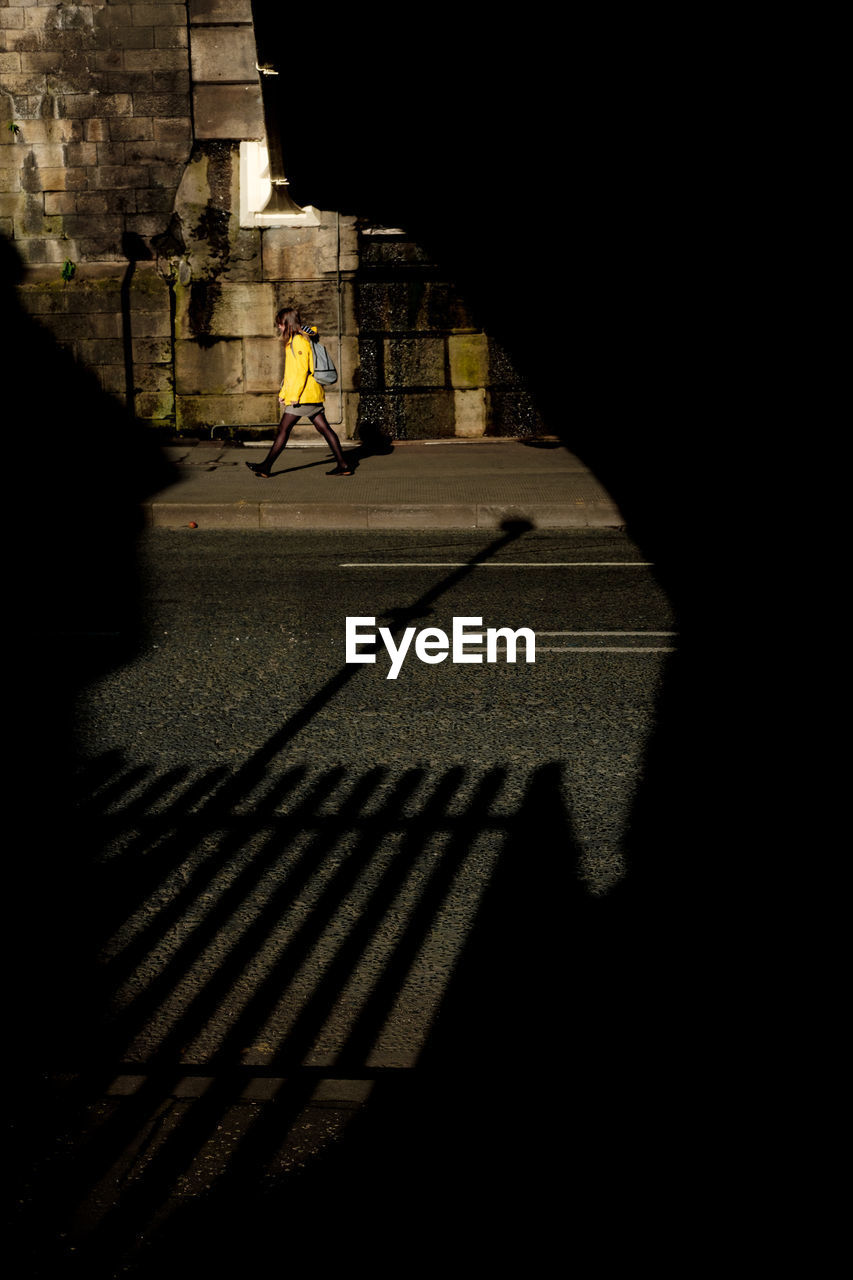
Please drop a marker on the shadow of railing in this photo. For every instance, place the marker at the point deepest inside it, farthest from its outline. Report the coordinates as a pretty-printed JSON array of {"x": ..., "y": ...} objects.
[{"x": 311, "y": 935}]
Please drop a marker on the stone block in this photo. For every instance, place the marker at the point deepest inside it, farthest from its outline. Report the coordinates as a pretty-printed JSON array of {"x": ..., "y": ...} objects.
[
  {"x": 149, "y": 15},
  {"x": 13, "y": 203},
  {"x": 226, "y": 411},
  {"x": 327, "y": 246},
  {"x": 126, "y": 201},
  {"x": 152, "y": 377},
  {"x": 214, "y": 370},
  {"x": 144, "y": 224},
  {"x": 49, "y": 130},
  {"x": 82, "y": 153},
  {"x": 470, "y": 412},
  {"x": 138, "y": 127},
  {"x": 411, "y": 516},
  {"x": 155, "y": 200},
  {"x": 171, "y": 81},
  {"x": 414, "y": 362},
  {"x": 100, "y": 248},
  {"x": 74, "y": 327},
  {"x": 347, "y": 360},
  {"x": 170, "y": 37},
  {"x": 151, "y": 350},
  {"x": 290, "y": 253},
  {"x": 220, "y": 10},
  {"x": 165, "y": 175},
  {"x": 403, "y": 306},
  {"x": 513, "y": 413},
  {"x": 115, "y": 15},
  {"x": 162, "y": 104},
  {"x": 60, "y": 202},
  {"x": 21, "y": 83},
  {"x": 149, "y": 291},
  {"x": 226, "y": 111},
  {"x": 62, "y": 179},
  {"x": 155, "y": 59},
  {"x": 104, "y": 60},
  {"x": 112, "y": 153},
  {"x": 264, "y": 364},
  {"x": 94, "y": 224},
  {"x": 36, "y": 250},
  {"x": 313, "y": 515},
  {"x": 207, "y": 515},
  {"x": 469, "y": 360},
  {"x": 42, "y": 61},
  {"x": 158, "y": 152},
  {"x": 155, "y": 324},
  {"x": 85, "y": 105},
  {"x": 317, "y": 303},
  {"x": 130, "y": 37},
  {"x": 154, "y": 405},
  {"x": 116, "y": 176},
  {"x": 98, "y": 351},
  {"x": 89, "y": 201},
  {"x": 223, "y": 53},
  {"x": 410, "y": 416},
  {"x": 112, "y": 378},
  {"x": 172, "y": 130},
  {"x": 243, "y": 263},
  {"x": 210, "y": 309}
]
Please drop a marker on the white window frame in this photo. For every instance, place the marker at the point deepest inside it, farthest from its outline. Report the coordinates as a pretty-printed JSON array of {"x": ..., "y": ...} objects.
[{"x": 256, "y": 189}]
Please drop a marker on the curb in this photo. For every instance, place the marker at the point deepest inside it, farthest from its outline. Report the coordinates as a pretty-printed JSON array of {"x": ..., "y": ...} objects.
[{"x": 321, "y": 515}]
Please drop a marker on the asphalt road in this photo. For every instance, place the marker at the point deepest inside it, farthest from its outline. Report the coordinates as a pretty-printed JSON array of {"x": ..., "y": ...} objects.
[
  {"x": 330, "y": 941},
  {"x": 240, "y": 714}
]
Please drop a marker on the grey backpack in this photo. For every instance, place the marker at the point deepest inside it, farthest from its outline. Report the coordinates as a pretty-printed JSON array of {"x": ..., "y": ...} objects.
[{"x": 324, "y": 370}]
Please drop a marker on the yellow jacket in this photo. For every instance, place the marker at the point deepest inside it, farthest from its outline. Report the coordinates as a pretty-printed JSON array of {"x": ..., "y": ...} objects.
[{"x": 298, "y": 386}]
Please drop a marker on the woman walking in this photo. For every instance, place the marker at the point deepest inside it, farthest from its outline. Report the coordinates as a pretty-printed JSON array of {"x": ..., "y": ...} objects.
[{"x": 301, "y": 396}]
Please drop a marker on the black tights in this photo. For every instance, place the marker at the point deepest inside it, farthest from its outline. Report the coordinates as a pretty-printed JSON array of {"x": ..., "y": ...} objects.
[{"x": 286, "y": 426}]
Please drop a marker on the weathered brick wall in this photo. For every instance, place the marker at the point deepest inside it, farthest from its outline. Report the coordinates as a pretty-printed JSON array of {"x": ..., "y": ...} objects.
[
  {"x": 120, "y": 190},
  {"x": 98, "y": 95},
  {"x": 229, "y": 282},
  {"x": 426, "y": 370}
]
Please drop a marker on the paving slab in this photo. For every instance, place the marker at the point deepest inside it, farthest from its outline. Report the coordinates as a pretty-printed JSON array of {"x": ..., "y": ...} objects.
[{"x": 416, "y": 485}]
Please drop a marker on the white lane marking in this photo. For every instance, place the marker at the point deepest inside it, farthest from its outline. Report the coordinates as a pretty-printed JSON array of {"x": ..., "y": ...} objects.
[
  {"x": 607, "y": 633},
  {"x": 497, "y": 564},
  {"x": 607, "y": 648},
  {"x": 591, "y": 648}
]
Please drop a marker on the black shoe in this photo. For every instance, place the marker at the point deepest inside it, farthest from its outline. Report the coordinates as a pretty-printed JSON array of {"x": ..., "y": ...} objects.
[
  {"x": 257, "y": 468},
  {"x": 340, "y": 471}
]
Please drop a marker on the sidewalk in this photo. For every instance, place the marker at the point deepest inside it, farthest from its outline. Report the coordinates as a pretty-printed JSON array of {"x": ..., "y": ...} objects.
[{"x": 456, "y": 484}]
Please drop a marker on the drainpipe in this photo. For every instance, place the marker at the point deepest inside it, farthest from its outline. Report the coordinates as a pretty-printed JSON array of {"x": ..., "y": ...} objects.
[{"x": 340, "y": 288}]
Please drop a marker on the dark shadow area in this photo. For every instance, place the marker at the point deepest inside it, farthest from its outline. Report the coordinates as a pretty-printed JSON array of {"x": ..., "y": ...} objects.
[
  {"x": 372, "y": 441},
  {"x": 571, "y": 197},
  {"x": 125, "y": 1183},
  {"x": 559, "y": 1035},
  {"x": 580, "y": 1082},
  {"x": 83, "y": 468}
]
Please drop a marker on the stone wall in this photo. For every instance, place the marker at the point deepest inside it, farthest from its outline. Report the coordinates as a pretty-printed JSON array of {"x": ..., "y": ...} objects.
[
  {"x": 120, "y": 176},
  {"x": 425, "y": 369}
]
